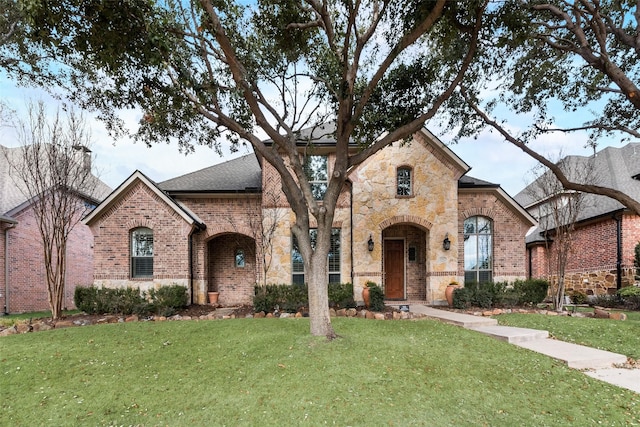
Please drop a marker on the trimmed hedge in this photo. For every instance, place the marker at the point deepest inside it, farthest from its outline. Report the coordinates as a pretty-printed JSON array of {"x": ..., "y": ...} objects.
[
  {"x": 164, "y": 301},
  {"x": 500, "y": 294},
  {"x": 293, "y": 298}
]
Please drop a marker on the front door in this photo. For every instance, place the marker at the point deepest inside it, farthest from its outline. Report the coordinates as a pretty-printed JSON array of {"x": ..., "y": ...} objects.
[{"x": 394, "y": 269}]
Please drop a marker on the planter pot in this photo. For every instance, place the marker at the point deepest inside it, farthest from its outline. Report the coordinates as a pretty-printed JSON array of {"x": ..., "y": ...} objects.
[
  {"x": 213, "y": 297},
  {"x": 365, "y": 296},
  {"x": 448, "y": 293}
]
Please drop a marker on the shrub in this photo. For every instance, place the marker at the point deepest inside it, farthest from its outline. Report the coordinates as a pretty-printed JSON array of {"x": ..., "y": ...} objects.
[
  {"x": 532, "y": 291},
  {"x": 578, "y": 297},
  {"x": 376, "y": 297},
  {"x": 607, "y": 301},
  {"x": 341, "y": 295},
  {"x": 166, "y": 300},
  {"x": 462, "y": 298},
  {"x": 288, "y": 298},
  {"x": 630, "y": 296},
  {"x": 481, "y": 297}
]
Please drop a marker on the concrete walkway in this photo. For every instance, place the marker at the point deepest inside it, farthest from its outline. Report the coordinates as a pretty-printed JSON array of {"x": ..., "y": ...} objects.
[{"x": 598, "y": 364}]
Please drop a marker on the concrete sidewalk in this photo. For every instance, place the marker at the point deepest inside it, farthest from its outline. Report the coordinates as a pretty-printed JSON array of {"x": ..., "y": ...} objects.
[{"x": 598, "y": 364}]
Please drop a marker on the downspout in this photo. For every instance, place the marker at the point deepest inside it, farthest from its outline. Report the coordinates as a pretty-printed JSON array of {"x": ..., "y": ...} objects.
[
  {"x": 351, "y": 232},
  {"x": 530, "y": 253},
  {"x": 618, "y": 220},
  {"x": 191, "y": 265},
  {"x": 6, "y": 267}
]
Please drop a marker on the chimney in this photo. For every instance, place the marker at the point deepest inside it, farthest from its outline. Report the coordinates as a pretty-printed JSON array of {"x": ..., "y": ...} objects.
[{"x": 83, "y": 156}]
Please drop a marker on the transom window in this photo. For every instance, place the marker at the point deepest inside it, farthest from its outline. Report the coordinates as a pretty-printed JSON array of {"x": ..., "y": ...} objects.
[
  {"x": 478, "y": 250},
  {"x": 403, "y": 181},
  {"x": 142, "y": 253},
  {"x": 317, "y": 170},
  {"x": 334, "y": 257}
]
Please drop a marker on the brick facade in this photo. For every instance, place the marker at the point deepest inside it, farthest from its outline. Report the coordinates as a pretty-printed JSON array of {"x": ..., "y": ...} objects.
[
  {"x": 369, "y": 207},
  {"x": 509, "y": 231},
  {"x": 26, "y": 270},
  {"x": 592, "y": 264}
]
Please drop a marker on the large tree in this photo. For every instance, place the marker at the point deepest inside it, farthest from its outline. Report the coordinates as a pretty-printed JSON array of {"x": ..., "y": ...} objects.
[
  {"x": 206, "y": 70},
  {"x": 52, "y": 171},
  {"x": 568, "y": 66}
]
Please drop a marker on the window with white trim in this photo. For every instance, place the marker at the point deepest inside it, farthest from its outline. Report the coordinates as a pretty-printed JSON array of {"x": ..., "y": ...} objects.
[
  {"x": 142, "y": 253},
  {"x": 298, "y": 276}
]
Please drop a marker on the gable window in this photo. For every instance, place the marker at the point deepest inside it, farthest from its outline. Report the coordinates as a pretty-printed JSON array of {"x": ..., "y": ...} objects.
[
  {"x": 333, "y": 261},
  {"x": 317, "y": 171},
  {"x": 404, "y": 181},
  {"x": 239, "y": 258},
  {"x": 142, "y": 253},
  {"x": 478, "y": 250}
]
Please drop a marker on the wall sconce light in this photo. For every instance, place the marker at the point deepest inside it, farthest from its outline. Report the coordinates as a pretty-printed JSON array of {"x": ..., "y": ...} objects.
[
  {"x": 446, "y": 243},
  {"x": 370, "y": 243}
]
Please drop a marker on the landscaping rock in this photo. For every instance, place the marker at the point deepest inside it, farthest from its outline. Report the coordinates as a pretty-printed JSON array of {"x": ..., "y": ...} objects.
[
  {"x": 9, "y": 331},
  {"x": 379, "y": 316},
  {"x": 23, "y": 328},
  {"x": 259, "y": 315},
  {"x": 332, "y": 312},
  {"x": 352, "y": 312},
  {"x": 285, "y": 315},
  {"x": 617, "y": 315},
  {"x": 369, "y": 315},
  {"x": 132, "y": 318},
  {"x": 341, "y": 312},
  {"x": 41, "y": 326},
  {"x": 600, "y": 313}
]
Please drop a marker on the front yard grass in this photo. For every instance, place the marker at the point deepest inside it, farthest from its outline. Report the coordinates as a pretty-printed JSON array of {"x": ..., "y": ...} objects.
[
  {"x": 272, "y": 372},
  {"x": 621, "y": 337}
]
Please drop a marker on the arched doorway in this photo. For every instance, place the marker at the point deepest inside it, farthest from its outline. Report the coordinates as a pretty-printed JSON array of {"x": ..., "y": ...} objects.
[
  {"x": 404, "y": 262},
  {"x": 232, "y": 268}
]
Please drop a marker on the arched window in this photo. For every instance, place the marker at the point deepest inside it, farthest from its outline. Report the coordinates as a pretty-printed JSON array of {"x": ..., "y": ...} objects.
[
  {"x": 478, "y": 250},
  {"x": 404, "y": 181},
  {"x": 240, "y": 258},
  {"x": 142, "y": 253}
]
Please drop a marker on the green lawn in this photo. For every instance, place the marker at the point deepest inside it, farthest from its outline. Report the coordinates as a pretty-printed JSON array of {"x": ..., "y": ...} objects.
[
  {"x": 271, "y": 372},
  {"x": 621, "y": 337}
]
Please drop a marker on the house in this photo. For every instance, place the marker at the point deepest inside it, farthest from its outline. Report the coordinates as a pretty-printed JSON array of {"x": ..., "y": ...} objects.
[
  {"x": 408, "y": 218},
  {"x": 23, "y": 285},
  {"x": 601, "y": 259}
]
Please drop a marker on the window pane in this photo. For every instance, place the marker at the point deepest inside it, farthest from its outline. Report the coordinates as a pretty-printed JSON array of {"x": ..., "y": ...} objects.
[
  {"x": 298, "y": 279},
  {"x": 404, "y": 182},
  {"x": 316, "y": 169},
  {"x": 142, "y": 242},
  {"x": 471, "y": 253},
  {"x": 239, "y": 258},
  {"x": 485, "y": 276},
  {"x": 470, "y": 225},
  {"x": 334, "y": 278},
  {"x": 484, "y": 252},
  {"x": 142, "y": 267},
  {"x": 470, "y": 277},
  {"x": 484, "y": 225}
]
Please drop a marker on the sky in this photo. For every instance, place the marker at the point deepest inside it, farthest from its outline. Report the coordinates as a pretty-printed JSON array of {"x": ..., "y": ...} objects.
[{"x": 490, "y": 157}]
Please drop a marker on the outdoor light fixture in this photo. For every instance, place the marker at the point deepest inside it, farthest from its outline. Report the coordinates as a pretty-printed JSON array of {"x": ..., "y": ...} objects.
[
  {"x": 446, "y": 243},
  {"x": 370, "y": 243}
]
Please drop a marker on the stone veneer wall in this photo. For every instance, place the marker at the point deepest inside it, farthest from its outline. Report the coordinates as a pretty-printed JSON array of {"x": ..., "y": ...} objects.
[
  {"x": 432, "y": 208},
  {"x": 509, "y": 231}
]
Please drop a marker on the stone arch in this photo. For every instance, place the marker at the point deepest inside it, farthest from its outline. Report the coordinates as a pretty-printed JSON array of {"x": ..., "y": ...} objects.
[
  {"x": 406, "y": 219},
  {"x": 221, "y": 229}
]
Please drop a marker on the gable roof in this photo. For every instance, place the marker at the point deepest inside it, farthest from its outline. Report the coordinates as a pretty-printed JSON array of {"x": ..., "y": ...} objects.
[
  {"x": 234, "y": 176},
  {"x": 184, "y": 212},
  {"x": 471, "y": 184},
  {"x": 613, "y": 167},
  {"x": 12, "y": 191}
]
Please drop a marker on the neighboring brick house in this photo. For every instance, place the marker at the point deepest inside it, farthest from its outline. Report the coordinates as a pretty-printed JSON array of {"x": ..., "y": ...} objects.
[
  {"x": 23, "y": 285},
  {"x": 203, "y": 230},
  {"x": 606, "y": 233}
]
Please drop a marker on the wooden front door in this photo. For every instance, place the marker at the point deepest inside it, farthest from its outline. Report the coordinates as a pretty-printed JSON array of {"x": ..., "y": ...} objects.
[{"x": 394, "y": 269}]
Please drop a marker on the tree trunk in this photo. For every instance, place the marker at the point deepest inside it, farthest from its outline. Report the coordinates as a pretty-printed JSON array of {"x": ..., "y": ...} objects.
[{"x": 317, "y": 280}]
